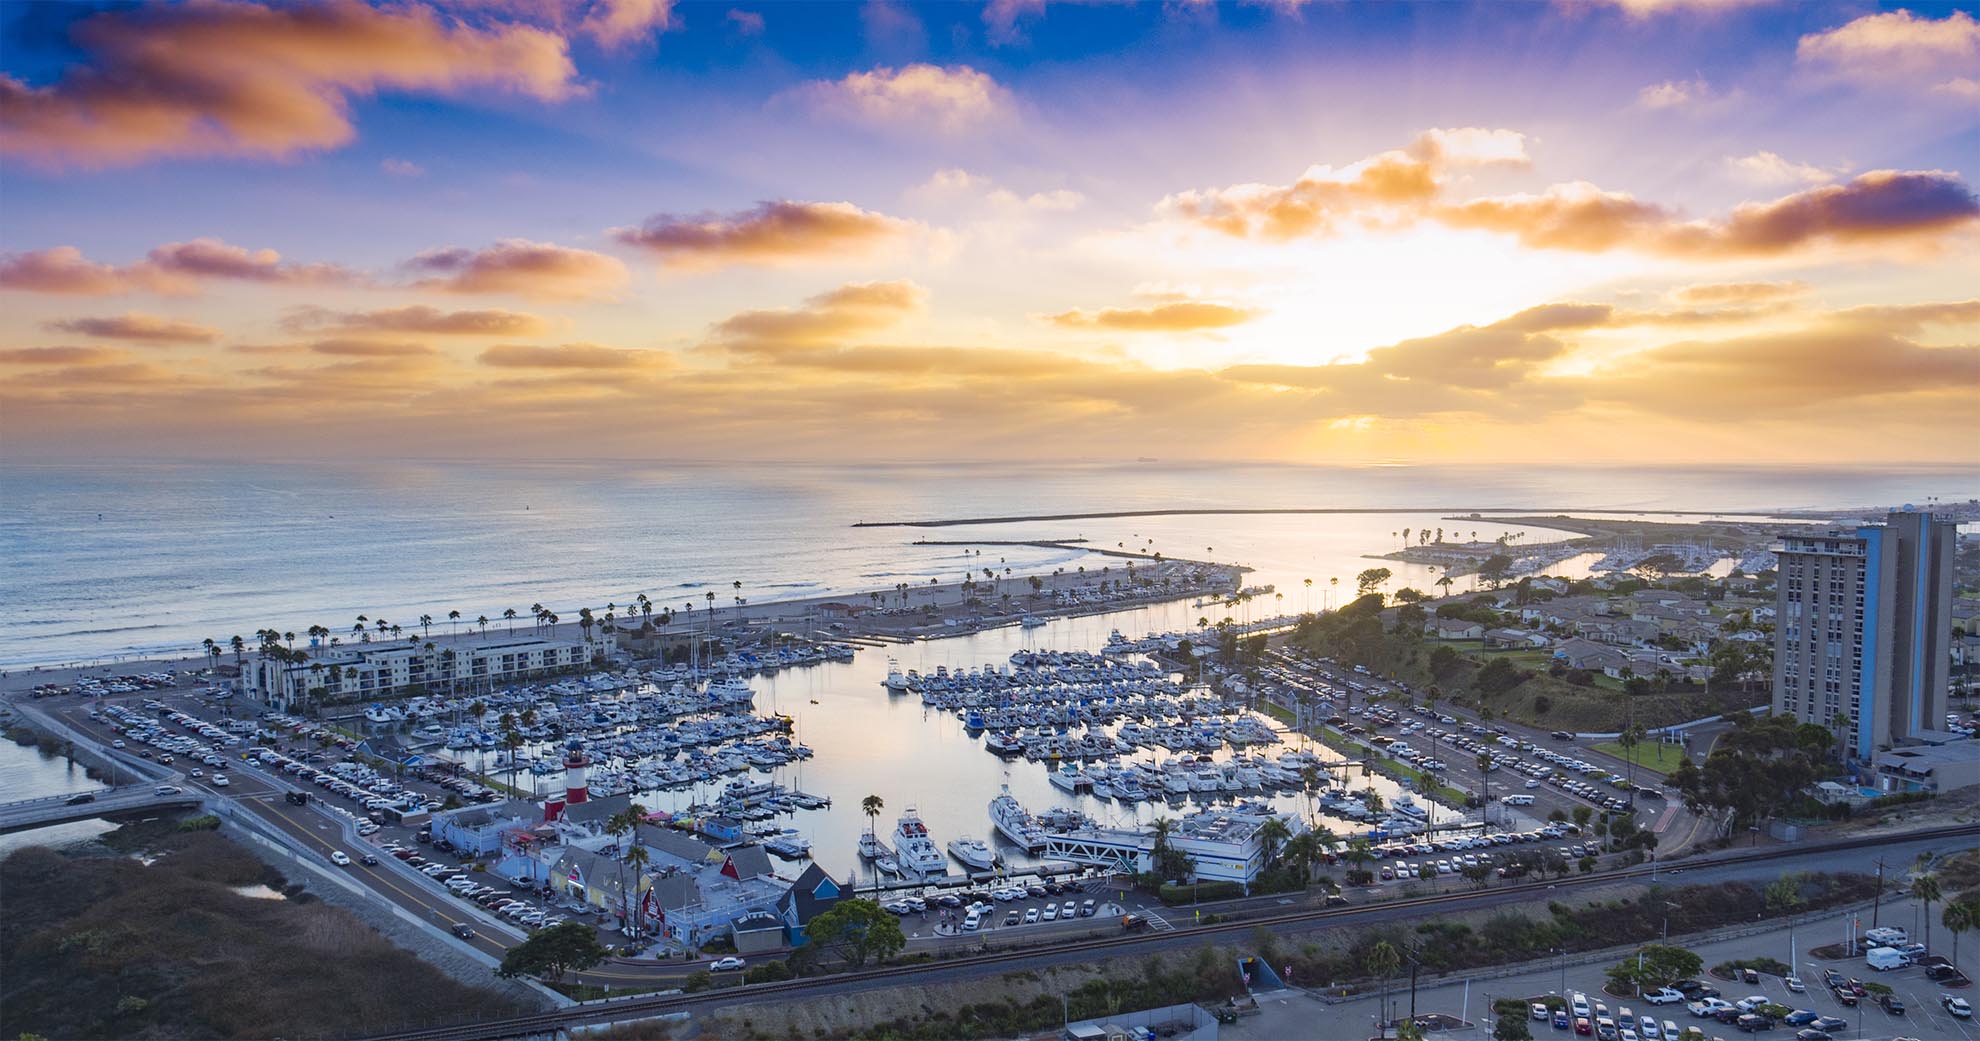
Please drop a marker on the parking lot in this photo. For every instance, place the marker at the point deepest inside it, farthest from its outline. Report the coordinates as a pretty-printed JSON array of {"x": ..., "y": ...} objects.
[{"x": 1296, "y": 1015}]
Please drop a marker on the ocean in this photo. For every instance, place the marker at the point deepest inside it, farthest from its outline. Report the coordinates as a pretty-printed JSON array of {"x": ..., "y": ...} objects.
[{"x": 108, "y": 560}]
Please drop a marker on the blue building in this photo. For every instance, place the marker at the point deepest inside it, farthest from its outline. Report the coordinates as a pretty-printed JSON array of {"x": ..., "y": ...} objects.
[{"x": 1863, "y": 630}]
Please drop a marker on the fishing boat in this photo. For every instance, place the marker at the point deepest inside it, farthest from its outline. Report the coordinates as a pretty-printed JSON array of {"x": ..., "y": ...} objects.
[
  {"x": 1031, "y": 622},
  {"x": 973, "y": 852},
  {"x": 871, "y": 848},
  {"x": 1014, "y": 823},
  {"x": 896, "y": 682}
]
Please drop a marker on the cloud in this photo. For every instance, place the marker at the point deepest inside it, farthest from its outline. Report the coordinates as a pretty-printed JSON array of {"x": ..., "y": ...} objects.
[
  {"x": 1879, "y": 206},
  {"x": 951, "y": 99},
  {"x": 584, "y": 356},
  {"x": 224, "y": 78},
  {"x": 62, "y": 269},
  {"x": 1675, "y": 94},
  {"x": 1642, "y": 9},
  {"x": 522, "y": 267},
  {"x": 1769, "y": 169},
  {"x": 61, "y": 355},
  {"x": 747, "y": 23},
  {"x": 853, "y": 309},
  {"x": 616, "y": 23},
  {"x": 1803, "y": 373},
  {"x": 137, "y": 326},
  {"x": 1179, "y": 317},
  {"x": 175, "y": 268},
  {"x": 401, "y": 167},
  {"x": 1900, "y": 49},
  {"x": 1738, "y": 292},
  {"x": 419, "y": 318},
  {"x": 1323, "y": 196},
  {"x": 772, "y": 233},
  {"x": 1001, "y": 18},
  {"x": 369, "y": 349}
]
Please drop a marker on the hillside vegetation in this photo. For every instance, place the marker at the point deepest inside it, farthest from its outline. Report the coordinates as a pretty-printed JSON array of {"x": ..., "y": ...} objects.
[{"x": 110, "y": 947}]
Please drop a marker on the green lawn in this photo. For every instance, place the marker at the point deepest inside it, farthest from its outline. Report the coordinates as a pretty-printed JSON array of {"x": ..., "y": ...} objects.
[{"x": 1654, "y": 755}]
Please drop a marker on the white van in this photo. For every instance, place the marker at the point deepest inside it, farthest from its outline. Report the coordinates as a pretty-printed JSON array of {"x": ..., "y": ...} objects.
[{"x": 1884, "y": 959}]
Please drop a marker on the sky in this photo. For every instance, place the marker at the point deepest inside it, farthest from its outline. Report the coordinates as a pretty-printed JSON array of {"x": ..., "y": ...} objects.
[{"x": 1655, "y": 231}]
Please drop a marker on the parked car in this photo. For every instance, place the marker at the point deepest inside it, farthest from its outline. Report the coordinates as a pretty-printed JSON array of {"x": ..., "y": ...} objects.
[
  {"x": 1956, "y": 1007},
  {"x": 729, "y": 964},
  {"x": 1794, "y": 984},
  {"x": 1891, "y": 1003}
]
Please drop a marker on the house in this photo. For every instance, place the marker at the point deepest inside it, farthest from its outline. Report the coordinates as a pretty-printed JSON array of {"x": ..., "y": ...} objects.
[
  {"x": 593, "y": 878},
  {"x": 1580, "y": 653},
  {"x": 721, "y": 829},
  {"x": 592, "y": 815},
  {"x": 757, "y": 932},
  {"x": 677, "y": 849},
  {"x": 479, "y": 829},
  {"x": 811, "y": 895},
  {"x": 1514, "y": 639},
  {"x": 836, "y": 609},
  {"x": 751, "y": 861},
  {"x": 1551, "y": 585},
  {"x": 1455, "y": 629}
]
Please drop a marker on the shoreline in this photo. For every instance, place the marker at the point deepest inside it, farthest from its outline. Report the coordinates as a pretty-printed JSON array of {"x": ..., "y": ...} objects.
[
  {"x": 866, "y": 627},
  {"x": 1453, "y": 512}
]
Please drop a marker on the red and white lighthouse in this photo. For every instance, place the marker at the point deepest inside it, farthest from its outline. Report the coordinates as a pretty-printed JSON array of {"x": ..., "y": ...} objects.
[{"x": 576, "y": 788}]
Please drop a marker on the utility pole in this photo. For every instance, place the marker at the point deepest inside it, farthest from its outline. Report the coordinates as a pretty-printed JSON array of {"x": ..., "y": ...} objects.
[{"x": 1878, "y": 904}]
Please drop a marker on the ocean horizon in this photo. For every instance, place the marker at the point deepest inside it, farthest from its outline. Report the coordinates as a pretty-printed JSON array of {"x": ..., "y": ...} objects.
[{"x": 120, "y": 559}]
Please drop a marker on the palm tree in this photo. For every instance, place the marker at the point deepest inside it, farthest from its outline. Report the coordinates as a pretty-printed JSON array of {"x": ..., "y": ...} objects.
[
  {"x": 1383, "y": 961},
  {"x": 639, "y": 858},
  {"x": 483, "y": 622},
  {"x": 1959, "y": 916},
  {"x": 240, "y": 651},
  {"x": 871, "y": 806},
  {"x": 1271, "y": 835},
  {"x": 455, "y": 618},
  {"x": 1925, "y": 889},
  {"x": 509, "y": 615},
  {"x": 426, "y": 624}
]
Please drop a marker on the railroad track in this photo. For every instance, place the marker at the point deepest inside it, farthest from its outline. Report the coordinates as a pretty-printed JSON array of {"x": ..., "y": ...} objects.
[{"x": 639, "y": 1006}]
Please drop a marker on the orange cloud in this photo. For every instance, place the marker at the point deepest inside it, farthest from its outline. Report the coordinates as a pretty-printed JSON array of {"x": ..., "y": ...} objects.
[
  {"x": 1651, "y": 8},
  {"x": 238, "y": 79},
  {"x": 176, "y": 267},
  {"x": 1738, "y": 292},
  {"x": 136, "y": 326},
  {"x": 571, "y": 356},
  {"x": 419, "y": 318},
  {"x": 61, "y": 355},
  {"x": 368, "y": 349},
  {"x": 522, "y": 267},
  {"x": 950, "y": 99},
  {"x": 1901, "y": 49},
  {"x": 1179, "y": 317},
  {"x": 1324, "y": 196},
  {"x": 1882, "y": 205},
  {"x": 772, "y": 233},
  {"x": 859, "y": 307}
]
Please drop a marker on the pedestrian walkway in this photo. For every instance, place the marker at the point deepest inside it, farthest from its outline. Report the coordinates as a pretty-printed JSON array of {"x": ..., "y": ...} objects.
[{"x": 1157, "y": 923}]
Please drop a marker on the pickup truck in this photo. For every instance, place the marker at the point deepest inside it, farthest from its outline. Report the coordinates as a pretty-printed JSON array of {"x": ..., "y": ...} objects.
[
  {"x": 1708, "y": 1007},
  {"x": 1663, "y": 996}
]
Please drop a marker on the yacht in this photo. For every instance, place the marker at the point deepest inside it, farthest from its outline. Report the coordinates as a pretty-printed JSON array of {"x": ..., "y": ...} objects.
[
  {"x": 916, "y": 852},
  {"x": 1014, "y": 823},
  {"x": 871, "y": 848},
  {"x": 973, "y": 852},
  {"x": 1031, "y": 621},
  {"x": 1068, "y": 778},
  {"x": 896, "y": 683},
  {"x": 1407, "y": 804}
]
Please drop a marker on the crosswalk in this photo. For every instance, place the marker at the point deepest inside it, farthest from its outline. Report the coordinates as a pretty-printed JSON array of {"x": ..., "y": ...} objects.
[{"x": 1157, "y": 923}]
